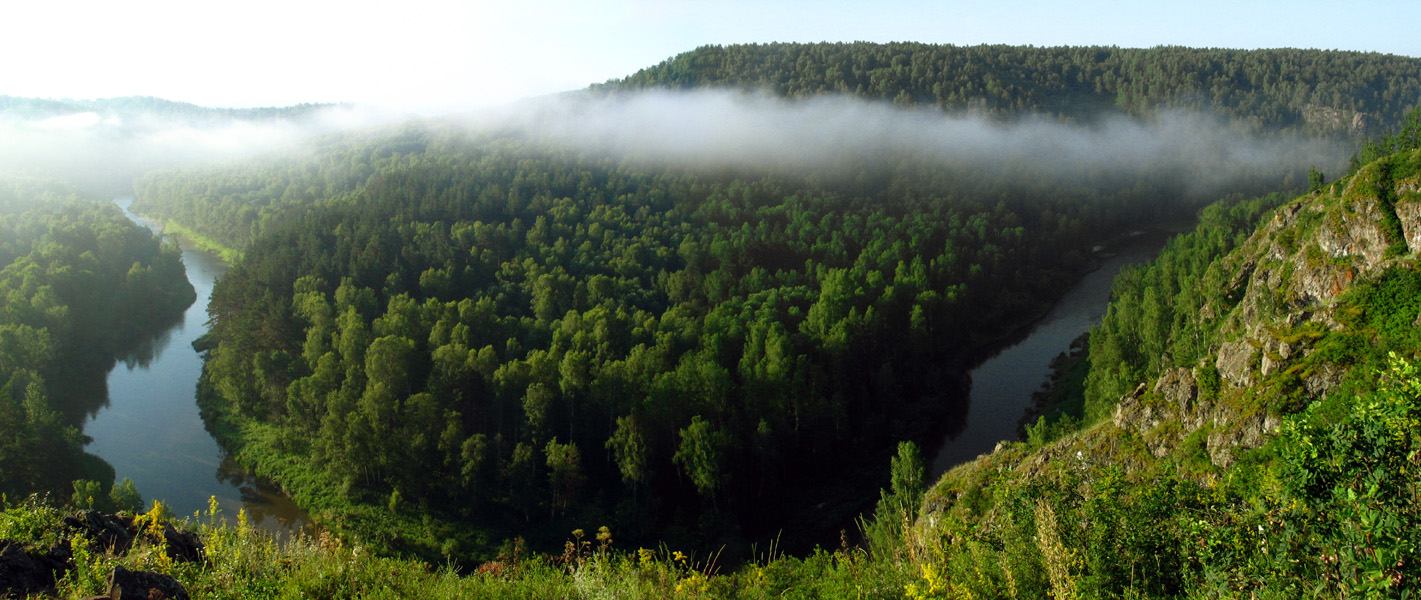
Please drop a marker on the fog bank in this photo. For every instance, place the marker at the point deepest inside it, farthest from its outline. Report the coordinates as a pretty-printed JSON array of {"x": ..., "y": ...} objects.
[
  {"x": 103, "y": 151},
  {"x": 732, "y": 129}
]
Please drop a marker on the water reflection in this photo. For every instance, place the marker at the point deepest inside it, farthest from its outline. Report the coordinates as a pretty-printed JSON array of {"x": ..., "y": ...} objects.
[
  {"x": 144, "y": 420},
  {"x": 267, "y": 507},
  {"x": 1001, "y": 387},
  {"x": 150, "y": 349},
  {"x": 80, "y": 390}
]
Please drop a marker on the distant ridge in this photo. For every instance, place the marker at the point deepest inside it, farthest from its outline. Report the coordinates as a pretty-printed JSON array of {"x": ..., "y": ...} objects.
[
  {"x": 1322, "y": 89},
  {"x": 40, "y": 108}
]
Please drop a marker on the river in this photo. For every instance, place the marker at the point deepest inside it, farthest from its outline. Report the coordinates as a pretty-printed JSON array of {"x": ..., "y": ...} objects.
[
  {"x": 150, "y": 431},
  {"x": 1002, "y": 386}
]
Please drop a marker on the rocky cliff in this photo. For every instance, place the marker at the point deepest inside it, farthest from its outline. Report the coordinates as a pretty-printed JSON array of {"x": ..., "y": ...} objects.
[
  {"x": 1337, "y": 119},
  {"x": 1289, "y": 325}
]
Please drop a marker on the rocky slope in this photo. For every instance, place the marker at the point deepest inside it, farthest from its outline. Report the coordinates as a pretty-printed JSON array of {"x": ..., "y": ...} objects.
[{"x": 1286, "y": 336}]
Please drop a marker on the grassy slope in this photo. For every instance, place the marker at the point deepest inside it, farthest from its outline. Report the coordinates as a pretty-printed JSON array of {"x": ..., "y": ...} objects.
[{"x": 245, "y": 564}]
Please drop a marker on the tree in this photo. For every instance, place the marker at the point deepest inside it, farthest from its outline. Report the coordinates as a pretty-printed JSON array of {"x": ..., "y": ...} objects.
[
  {"x": 702, "y": 455},
  {"x": 564, "y": 473},
  {"x": 628, "y": 447},
  {"x": 520, "y": 473},
  {"x": 906, "y": 479},
  {"x": 898, "y": 505},
  {"x": 124, "y": 496}
]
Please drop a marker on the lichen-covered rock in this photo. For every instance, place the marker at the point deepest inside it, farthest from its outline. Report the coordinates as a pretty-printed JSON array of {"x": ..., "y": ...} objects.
[
  {"x": 1338, "y": 119},
  {"x": 1409, "y": 213},
  {"x": 1357, "y": 238},
  {"x": 1233, "y": 432},
  {"x": 1316, "y": 284},
  {"x": 1275, "y": 356},
  {"x": 1362, "y": 124},
  {"x": 1129, "y": 413},
  {"x": 1235, "y": 362},
  {"x": 1178, "y": 388},
  {"x": 1322, "y": 379},
  {"x": 1175, "y": 410},
  {"x": 1175, "y": 400}
]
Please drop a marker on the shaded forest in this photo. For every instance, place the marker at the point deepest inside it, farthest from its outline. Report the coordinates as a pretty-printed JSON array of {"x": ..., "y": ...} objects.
[{"x": 80, "y": 284}]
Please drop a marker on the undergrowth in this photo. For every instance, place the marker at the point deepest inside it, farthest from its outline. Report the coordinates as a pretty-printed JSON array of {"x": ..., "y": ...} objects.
[{"x": 246, "y": 563}]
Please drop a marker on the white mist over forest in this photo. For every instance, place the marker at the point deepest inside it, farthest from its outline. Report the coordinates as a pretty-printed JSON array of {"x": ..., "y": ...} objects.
[
  {"x": 712, "y": 129},
  {"x": 104, "y": 150},
  {"x": 733, "y": 129}
]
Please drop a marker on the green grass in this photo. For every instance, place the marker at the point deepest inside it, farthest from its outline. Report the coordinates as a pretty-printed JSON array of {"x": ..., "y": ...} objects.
[
  {"x": 247, "y": 564},
  {"x": 201, "y": 242}
]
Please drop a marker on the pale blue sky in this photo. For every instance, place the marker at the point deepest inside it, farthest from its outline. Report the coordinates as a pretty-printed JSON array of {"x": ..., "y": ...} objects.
[{"x": 437, "y": 54}]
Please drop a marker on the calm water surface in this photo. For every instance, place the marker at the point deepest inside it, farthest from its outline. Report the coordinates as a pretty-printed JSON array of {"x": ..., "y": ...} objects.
[
  {"x": 1002, "y": 386},
  {"x": 150, "y": 429}
]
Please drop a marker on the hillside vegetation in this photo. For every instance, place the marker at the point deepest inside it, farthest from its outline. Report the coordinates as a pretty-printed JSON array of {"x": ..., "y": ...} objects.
[
  {"x": 439, "y": 338},
  {"x": 80, "y": 284},
  {"x": 1247, "y": 425},
  {"x": 1283, "y": 88},
  {"x": 1142, "y": 504}
]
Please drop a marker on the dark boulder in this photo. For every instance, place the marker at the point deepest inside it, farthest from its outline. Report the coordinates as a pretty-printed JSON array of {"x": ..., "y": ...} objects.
[
  {"x": 182, "y": 545},
  {"x": 144, "y": 585},
  {"x": 24, "y": 572},
  {"x": 105, "y": 532}
]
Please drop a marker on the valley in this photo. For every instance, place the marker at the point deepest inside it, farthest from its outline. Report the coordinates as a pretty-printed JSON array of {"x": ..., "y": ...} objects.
[{"x": 765, "y": 319}]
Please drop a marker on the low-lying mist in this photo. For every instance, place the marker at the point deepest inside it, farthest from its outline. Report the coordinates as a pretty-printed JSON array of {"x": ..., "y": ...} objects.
[
  {"x": 102, "y": 151},
  {"x": 733, "y": 129},
  {"x": 828, "y": 135}
]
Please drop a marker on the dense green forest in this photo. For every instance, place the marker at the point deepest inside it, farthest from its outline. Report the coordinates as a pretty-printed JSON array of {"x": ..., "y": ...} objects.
[
  {"x": 1326, "y": 507},
  {"x": 439, "y": 338},
  {"x": 462, "y": 346},
  {"x": 1260, "y": 91},
  {"x": 517, "y": 334},
  {"x": 1280, "y": 88},
  {"x": 81, "y": 284}
]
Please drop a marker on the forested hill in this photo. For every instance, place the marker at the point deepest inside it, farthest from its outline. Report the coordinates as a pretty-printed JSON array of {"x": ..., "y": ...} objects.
[
  {"x": 1243, "y": 424},
  {"x": 146, "y": 107},
  {"x": 1330, "y": 94},
  {"x": 1326, "y": 90},
  {"x": 514, "y": 339},
  {"x": 438, "y": 339},
  {"x": 1266, "y": 448}
]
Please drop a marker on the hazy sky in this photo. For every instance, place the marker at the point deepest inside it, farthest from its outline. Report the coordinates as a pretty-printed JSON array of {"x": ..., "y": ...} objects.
[{"x": 437, "y": 54}]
